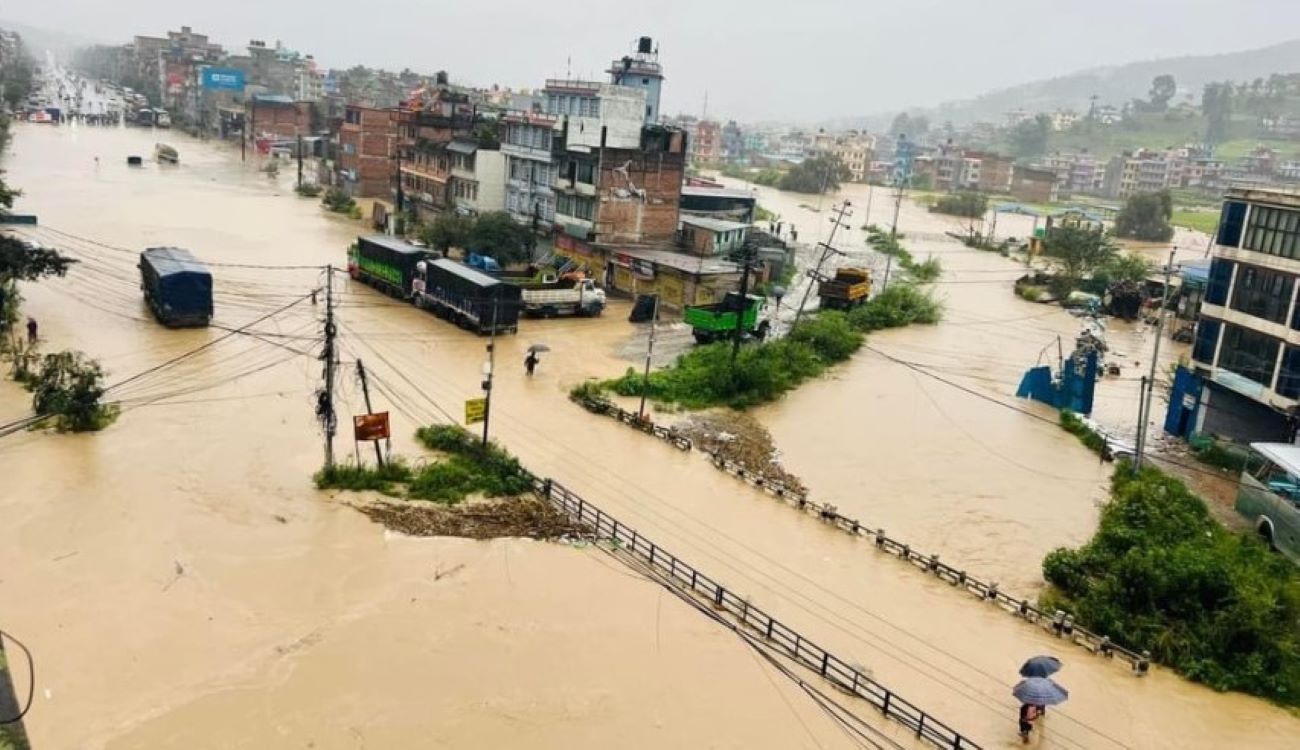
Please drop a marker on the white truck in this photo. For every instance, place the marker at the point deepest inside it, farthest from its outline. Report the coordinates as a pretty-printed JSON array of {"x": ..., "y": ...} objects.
[{"x": 562, "y": 297}]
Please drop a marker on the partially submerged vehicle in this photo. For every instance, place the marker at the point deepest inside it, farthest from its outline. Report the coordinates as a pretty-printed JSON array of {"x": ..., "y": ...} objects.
[
  {"x": 166, "y": 154},
  {"x": 177, "y": 287},
  {"x": 1269, "y": 496},
  {"x": 719, "y": 320}
]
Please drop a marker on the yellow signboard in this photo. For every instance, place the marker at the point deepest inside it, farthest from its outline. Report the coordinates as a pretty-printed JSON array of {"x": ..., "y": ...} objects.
[{"x": 475, "y": 410}]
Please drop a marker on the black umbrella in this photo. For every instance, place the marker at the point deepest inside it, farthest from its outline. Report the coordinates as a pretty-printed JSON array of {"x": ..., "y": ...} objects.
[
  {"x": 1040, "y": 666},
  {"x": 1040, "y": 691}
]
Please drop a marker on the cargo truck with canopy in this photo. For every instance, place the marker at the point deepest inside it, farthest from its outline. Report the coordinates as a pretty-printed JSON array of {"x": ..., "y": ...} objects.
[{"x": 177, "y": 287}]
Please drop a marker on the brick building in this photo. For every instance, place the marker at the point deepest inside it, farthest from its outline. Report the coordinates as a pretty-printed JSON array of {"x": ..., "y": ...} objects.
[
  {"x": 1034, "y": 185},
  {"x": 273, "y": 115},
  {"x": 366, "y": 152}
]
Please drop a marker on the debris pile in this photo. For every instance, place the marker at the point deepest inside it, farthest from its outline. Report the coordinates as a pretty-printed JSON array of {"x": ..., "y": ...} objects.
[{"x": 482, "y": 519}]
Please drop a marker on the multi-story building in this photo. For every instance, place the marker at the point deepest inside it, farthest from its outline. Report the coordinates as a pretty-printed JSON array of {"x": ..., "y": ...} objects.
[
  {"x": 855, "y": 151},
  {"x": 1247, "y": 342},
  {"x": 366, "y": 152},
  {"x": 994, "y": 171},
  {"x": 430, "y": 121},
  {"x": 641, "y": 69},
  {"x": 478, "y": 176},
  {"x": 528, "y": 142},
  {"x": 733, "y": 142},
  {"x": 1034, "y": 185},
  {"x": 707, "y": 146},
  {"x": 1141, "y": 171},
  {"x": 309, "y": 82}
]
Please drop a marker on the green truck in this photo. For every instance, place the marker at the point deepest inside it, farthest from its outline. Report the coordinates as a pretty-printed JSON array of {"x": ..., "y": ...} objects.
[{"x": 716, "y": 322}]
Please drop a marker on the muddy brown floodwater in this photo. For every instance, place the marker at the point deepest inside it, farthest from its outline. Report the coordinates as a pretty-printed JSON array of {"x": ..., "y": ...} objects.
[{"x": 181, "y": 584}]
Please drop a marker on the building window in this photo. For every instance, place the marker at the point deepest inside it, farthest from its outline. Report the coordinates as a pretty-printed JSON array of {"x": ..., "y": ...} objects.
[
  {"x": 585, "y": 173},
  {"x": 352, "y": 116},
  {"x": 1273, "y": 231},
  {"x": 1288, "y": 379},
  {"x": 1263, "y": 293},
  {"x": 1216, "y": 290},
  {"x": 1207, "y": 337},
  {"x": 1250, "y": 354}
]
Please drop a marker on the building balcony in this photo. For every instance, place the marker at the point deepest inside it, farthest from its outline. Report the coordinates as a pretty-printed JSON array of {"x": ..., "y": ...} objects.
[{"x": 526, "y": 152}]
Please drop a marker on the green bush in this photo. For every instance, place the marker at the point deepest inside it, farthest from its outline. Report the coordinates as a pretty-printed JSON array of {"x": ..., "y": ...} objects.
[
  {"x": 899, "y": 305},
  {"x": 829, "y": 334},
  {"x": 496, "y": 472},
  {"x": 338, "y": 201},
  {"x": 1161, "y": 575},
  {"x": 1071, "y": 423},
  {"x": 1222, "y": 455},
  {"x": 308, "y": 190},
  {"x": 971, "y": 205},
  {"x": 926, "y": 271},
  {"x": 1031, "y": 293}
]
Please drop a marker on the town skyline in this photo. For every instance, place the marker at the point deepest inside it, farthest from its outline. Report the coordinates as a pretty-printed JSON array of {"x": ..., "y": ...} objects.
[{"x": 738, "y": 76}]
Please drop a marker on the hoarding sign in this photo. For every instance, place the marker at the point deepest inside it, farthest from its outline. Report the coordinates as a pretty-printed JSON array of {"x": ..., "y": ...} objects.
[
  {"x": 223, "y": 79},
  {"x": 371, "y": 426}
]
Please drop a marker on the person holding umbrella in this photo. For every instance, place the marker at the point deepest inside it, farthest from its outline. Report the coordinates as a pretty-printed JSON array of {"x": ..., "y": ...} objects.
[
  {"x": 530, "y": 362},
  {"x": 1035, "y": 694}
]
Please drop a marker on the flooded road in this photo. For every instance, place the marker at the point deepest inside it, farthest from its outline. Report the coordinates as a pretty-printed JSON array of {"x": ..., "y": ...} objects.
[{"x": 177, "y": 570}]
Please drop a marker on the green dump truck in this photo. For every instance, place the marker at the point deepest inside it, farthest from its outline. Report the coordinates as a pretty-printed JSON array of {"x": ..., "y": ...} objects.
[{"x": 718, "y": 321}]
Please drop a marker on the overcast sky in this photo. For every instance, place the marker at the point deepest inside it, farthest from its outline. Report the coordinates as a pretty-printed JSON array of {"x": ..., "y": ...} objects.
[{"x": 755, "y": 59}]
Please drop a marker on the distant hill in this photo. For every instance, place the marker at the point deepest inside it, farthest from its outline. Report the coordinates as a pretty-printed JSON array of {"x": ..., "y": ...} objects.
[
  {"x": 1113, "y": 85},
  {"x": 38, "y": 40}
]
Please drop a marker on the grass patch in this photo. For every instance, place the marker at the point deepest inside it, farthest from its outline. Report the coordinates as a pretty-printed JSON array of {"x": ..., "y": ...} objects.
[
  {"x": 1221, "y": 455},
  {"x": 1201, "y": 221},
  {"x": 1071, "y": 423},
  {"x": 350, "y": 476},
  {"x": 764, "y": 371},
  {"x": 467, "y": 468},
  {"x": 1161, "y": 575},
  {"x": 922, "y": 272}
]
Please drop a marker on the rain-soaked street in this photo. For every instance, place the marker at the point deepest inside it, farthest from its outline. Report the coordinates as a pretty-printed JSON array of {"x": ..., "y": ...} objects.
[{"x": 182, "y": 584}]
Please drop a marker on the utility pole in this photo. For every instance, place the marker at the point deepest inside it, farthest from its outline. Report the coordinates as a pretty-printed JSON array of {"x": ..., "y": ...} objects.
[
  {"x": 1148, "y": 384},
  {"x": 747, "y": 259},
  {"x": 649, "y": 354},
  {"x": 325, "y": 404},
  {"x": 488, "y": 368},
  {"x": 902, "y": 176},
  {"x": 828, "y": 247},
  {"x": 300, "y": 166},
  {"x": 365, "y": 391}
]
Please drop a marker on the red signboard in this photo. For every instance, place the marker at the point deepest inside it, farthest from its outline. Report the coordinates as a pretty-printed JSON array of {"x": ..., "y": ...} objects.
[{"x": 370, "y": 426}]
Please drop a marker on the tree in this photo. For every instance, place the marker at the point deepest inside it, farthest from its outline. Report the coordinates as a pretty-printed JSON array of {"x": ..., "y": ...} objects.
[
  {"x": 447, "y": 231},
  {"x": 69, "y": 387},
  {"x": 818, "y": 174},
  {"x": 500, "y": 236},
  {"x": 1146, "y": 217},
  {"x": 912, "y": 126},
  {"x": 1029, "y": 138},
  {"x": 1216, "y": 105},
  {"x": 1076, "y": 252},
  {"x": 1126, "y": 267},
  {"x": 1163, "y": 89}
]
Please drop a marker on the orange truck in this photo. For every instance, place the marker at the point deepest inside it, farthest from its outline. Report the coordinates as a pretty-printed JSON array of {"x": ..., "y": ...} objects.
[{"x": 848, "y": 288}]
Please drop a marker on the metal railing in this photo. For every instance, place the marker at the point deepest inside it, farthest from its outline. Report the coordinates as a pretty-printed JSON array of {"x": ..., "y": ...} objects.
[
  {"x": 779, "y": 636},
  {"x": 1059, "y": 622}
]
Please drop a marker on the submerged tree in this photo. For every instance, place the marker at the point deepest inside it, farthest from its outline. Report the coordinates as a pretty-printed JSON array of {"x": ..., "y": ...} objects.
[
  {"x": 820, "y": 174},
  {"x": 1076, "y": 252},
  {"x": 70, "y": 388},
  {"x": 1145, "y": 217}
]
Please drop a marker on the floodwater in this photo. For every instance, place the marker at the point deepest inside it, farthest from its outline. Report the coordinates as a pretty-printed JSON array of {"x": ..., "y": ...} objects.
[{"x": 182, "y": 585}]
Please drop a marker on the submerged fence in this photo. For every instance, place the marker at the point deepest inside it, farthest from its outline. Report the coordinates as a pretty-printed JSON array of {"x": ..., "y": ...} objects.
[
  {"x": 753, "y": 619},
  {"x": 1059, "y": 622}
]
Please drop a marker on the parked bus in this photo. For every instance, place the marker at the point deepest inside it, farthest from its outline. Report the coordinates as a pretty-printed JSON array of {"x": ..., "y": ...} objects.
[{"x": 1269, "y": 496}]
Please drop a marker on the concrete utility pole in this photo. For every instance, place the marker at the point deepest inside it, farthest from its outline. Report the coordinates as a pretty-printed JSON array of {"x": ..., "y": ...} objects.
[
  {"x": 1148, "y": 384},
  {"x": 300, "y": 163},
  {"x": 488, "y": 368},
  {"x": 746, "y": 262},
  {"x": 325, "y": 407},
  {"x": 828, "y": 248},
  {"x": 365, "y": 391},
  {"x": 649, "y": 354}
]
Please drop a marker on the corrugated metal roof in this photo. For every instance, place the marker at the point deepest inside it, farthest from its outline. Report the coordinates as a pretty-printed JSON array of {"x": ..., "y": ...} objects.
[
  {"x": 462, "y": 147},
  {"x": 172, "y": 260},
  {"x": 467, "y": 273},
  {"x": 394, "y": 244},
  {"x": 713, "y": 225},
  {"x": 717, "y": 192}
]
